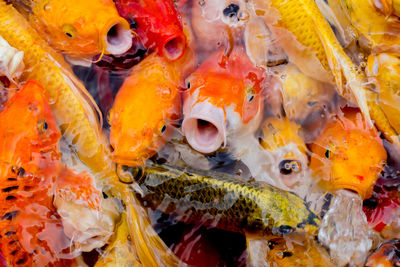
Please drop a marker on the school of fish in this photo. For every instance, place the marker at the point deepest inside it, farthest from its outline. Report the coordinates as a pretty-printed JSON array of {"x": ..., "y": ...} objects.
[{"x": 200, "y": 133}]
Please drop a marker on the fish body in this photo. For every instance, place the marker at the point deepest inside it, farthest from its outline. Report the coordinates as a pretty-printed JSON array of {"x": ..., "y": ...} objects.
[
  {"x": 348, "y": 155},
  {"x": 31, "y": 230},
  {"x": 381, "y": 28},
  {"x": 79, "y": 124},
  {"x": 223, "y": 98},
  {"x": 226, "y": 202},
  {"x": 157, "y": 24},
  {"x": 314, "y": 49},
  {"x": 70, "y": 29},
  {"x": 383, "y": 70},
  {"x": 144, "y": 110}
]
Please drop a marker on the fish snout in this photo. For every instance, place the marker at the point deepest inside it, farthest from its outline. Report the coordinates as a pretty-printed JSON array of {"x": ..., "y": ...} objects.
[
  {"x": 204, "y": 126},
  {"x": 174, "y": 47},
  {"x": 117, "y": 37}
]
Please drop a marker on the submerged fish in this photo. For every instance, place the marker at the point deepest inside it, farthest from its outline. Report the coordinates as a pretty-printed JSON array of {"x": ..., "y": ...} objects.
[
  {"x": 315, "y": 50},
  {"x": 379, "y": 30},
  {"x": 288, "y": 251},
  {"x": 225, "y": 202},
  {"x": 79, "y": 124},
  {"x": 348, "y": 155},
  {"x": 31, "y": 231},
  {"x": 69, "y": 28},
  {"x": 387, "y": 255},
  {"x": 144, "y": 110},
  {"x": 383, "y": 70},
  {"x": 157, "y": 24},
  {"x": 223, "y": 99}
]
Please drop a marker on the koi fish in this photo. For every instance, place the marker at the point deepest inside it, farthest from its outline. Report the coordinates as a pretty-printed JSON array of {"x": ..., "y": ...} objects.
[
  {"x": 348, "y": 155},
  {"x": 292, "y": 250},
  {"x": 217, "y": 23},
  {"x": 73, "y": 109},
  {"x": 301, "y": 92},
  {"x": 144, "y": 110},
  {"x": 225, "y": 201},
  {"x": 223, "y": 99},
  {"x": 383, "y": 70},
  {"x": 379, "y": 30},
  {"x": 31, "y": 230},
  {"x": 387, "y": 255},
  {"x": 326, "y": 59},
  {"x": 282, "y": 139},
  {"x": 157, "y": 24},
  {"x": 69, "y": 28}
]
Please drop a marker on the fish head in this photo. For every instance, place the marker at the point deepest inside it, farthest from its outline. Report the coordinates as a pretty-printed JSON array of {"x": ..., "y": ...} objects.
[
  {"x": 71, "y": 29},
  {"x": 348, "y": 155},
  {"x": 221, "y": 82},
  {"x": 28, "y": 127},
  {"x": 158, "y": 25},
  {"x": 282, "y": 138},
  {"x": 145, "y": 110}
]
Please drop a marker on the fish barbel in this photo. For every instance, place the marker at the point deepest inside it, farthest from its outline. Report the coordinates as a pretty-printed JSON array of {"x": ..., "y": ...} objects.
[
  {"x": 311, "y": 44},
  {"x": 73, "y": 109},
  {"x": 235, "y": 205}
]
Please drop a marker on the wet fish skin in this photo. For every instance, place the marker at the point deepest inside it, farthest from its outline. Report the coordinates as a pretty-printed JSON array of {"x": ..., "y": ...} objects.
[
  {"x": 235, "y": 205},
  {"x": 314, "y": 44}
]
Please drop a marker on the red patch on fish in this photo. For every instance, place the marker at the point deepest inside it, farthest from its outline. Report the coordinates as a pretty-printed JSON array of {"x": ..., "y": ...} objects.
[{"x": 157, "y": 24}]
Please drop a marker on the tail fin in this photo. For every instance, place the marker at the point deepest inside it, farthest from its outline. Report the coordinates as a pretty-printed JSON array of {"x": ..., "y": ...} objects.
[{"x": 150, "y": 249}]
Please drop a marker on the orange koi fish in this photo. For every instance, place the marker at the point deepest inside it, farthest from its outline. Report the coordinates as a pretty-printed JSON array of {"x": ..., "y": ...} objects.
[
  {"x": 79, "y": 28},
  {"x": 387, "y": 255},
  {"x": 348, "y": 155},
  {"x": 144, "y": 109},
  {"x": 223, "y": 97},
  {"x": 32, "y": 232}
]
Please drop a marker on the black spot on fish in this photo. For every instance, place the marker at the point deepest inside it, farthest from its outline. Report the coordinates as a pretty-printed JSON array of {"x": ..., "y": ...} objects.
[
  {"x": 10, "y": 188},
  {"x": 287, "y": 254},
  {"x": 283, "y": 229},
  {"x": 21, "y": 171},
  {"x": 105, "y": 195},
  {"x": 10, "y": 215},
  {"x": 10, "y": 233},
  {"x": 10, "y": 198},
  {"x": 231, "y": 11}
]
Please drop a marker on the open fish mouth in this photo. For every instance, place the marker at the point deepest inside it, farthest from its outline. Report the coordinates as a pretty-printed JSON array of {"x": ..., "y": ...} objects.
[{"x": 117, "y": 37}]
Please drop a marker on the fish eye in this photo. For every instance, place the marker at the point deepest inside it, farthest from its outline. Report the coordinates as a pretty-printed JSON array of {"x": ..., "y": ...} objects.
[
  {"x": 42, "y": 126},
  {"x": 251, "y": 98},
  {"x": 69, "y": 30},
  {"x": 163, "y": 128},
  {"x": 327, "y": 153},
  {"x": 289, "y": 166},
  {"x": 250, "y": 94},
  {"x": 188, "y": 85}
]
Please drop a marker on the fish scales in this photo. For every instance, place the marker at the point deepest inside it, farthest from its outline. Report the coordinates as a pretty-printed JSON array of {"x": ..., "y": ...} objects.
[
  {"x": 291, "y": 11},
  {"x": 342, "y": 69},
  {"x": 236, "y": 205},
  {"x": 79, "y": 125}
]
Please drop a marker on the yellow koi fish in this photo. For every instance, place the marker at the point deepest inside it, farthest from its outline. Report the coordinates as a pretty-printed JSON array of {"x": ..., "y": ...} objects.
[
  {"x": 384, "y": 71},
  {"x": 311, "y": 45},
  {"x": 79, "y": 125},
  {"x": 78, "y": 28},
  {"x": 377, "y": 21}
]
